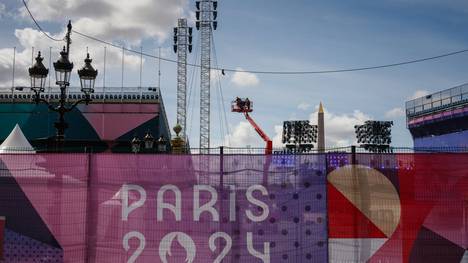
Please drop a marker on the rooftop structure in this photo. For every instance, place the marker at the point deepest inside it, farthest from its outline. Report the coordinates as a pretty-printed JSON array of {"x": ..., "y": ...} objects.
[
  {"x": 439, "y": 119},
  {"x": 108, "y": 123}
]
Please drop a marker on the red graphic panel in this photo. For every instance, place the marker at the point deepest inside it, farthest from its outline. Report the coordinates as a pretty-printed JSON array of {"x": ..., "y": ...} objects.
[{"x": 346, "y": 221}]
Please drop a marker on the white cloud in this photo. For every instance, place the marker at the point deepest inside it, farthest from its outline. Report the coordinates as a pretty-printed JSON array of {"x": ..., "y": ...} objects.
[
  {"x": 129, "y": 21},
  {"x": 115, "y": 21},
  {"x": 418, "y": 94},
  {"x": 29, "y": 38},
  {"x": 395, "y": 113},
  {"x": 277, "y": 139},
  {"x": 242, "y": 135},
  {"x": 244, "y": 79},
  {"x": 303, "y": 106},
  {"x": 339, "y": 128},
  {"x": 3, "y": 11}
]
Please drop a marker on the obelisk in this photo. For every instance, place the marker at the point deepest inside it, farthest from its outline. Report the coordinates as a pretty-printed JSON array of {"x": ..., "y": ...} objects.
[{"x": 321, "y": 130}]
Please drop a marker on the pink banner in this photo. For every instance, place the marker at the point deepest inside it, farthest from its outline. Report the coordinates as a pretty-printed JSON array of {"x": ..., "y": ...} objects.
[{"x": 164, "y": 208}]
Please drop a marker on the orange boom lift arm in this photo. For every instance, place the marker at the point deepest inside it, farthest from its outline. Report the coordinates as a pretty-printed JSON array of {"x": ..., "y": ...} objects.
[{"x": 245, "y": 106}]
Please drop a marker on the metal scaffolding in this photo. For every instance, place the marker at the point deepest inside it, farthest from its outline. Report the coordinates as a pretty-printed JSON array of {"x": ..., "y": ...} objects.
[
  {"x": 206, "y": 15},
  {"x": 182, "y": 46}
]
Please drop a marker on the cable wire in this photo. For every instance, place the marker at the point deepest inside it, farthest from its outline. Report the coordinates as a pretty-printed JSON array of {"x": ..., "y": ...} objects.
[
  {"x": 220, "y": 90},
  {"x": 192, "y": 91},
  {"x": 294, "y": 72},
  {"x": 38, "y": 26},
  {"x": 353, "y": 69}
]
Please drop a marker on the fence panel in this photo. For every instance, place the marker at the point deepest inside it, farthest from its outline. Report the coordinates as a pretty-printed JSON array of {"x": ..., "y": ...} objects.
[
  {"x": 43, "y": 201},
  {"x": 331, "y": 207}
]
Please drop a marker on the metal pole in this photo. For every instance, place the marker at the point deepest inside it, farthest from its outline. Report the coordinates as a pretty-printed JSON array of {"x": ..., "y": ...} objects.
[
  {"x": 221, "y": 168},
  {"x": 90, "y": 210},
  {"x": 104, "y": 76},
  {"x": 141, "y": 64},
  {"x": 353, "y": 155},
  {"x": 159, "y": 68},
  {"x": 141, "y": 72},
  {"x": 122, "y": 77},
  {"x": 32, "y": 56},
  {"x": 13, "y": 73},
  {"x": 50, "y": 66}
]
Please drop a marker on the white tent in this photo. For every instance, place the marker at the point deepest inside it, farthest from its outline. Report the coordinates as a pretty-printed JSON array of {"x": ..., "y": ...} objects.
[{"x": 16, "y": 142}]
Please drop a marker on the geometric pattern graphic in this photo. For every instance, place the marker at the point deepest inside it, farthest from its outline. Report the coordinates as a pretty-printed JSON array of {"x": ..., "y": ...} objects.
[
  {"x": 19, "y": 248},
  {"x": 93, "y": 124},
  {"x": 431, "y": 248},
  {"x": 363, "y": 210}
]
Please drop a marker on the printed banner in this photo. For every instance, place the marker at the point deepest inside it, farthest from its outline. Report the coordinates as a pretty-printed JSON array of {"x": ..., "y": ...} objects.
[
  {"x": 147, "y": 208},
  {"x": 398, "y": 208},
  {"x": 234, "y": 208}
]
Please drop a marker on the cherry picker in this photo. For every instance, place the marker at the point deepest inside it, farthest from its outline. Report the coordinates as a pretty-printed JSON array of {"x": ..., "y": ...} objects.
[{"x": 245, "y": 106}]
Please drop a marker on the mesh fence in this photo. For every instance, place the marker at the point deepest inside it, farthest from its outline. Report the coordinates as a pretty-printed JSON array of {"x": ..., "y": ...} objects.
[{"x": 330, "y": 207}]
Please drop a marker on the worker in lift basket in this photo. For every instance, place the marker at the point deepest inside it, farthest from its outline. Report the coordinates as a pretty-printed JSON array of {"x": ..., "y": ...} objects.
[
  {"x": 239, "y": 103},
  {"x": 247, "y": 103}
]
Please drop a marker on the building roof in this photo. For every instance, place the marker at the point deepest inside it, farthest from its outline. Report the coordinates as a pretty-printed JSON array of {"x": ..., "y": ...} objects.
[{"x": 448, "y": 99}]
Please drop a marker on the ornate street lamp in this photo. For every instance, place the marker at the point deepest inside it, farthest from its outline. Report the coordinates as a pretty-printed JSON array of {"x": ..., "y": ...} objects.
[
  {"x": 149, "y": 141},
  {"x": 136, "y": 144},
  {"x": 63, "y": 68},
  {"x": 38, "y": 74},
  {"x": 162, "y": 144},
  {"x": 87, "y": 76}
]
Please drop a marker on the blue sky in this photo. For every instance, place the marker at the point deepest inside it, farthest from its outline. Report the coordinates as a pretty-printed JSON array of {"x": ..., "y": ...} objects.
[{"x": 267, "y": 35}]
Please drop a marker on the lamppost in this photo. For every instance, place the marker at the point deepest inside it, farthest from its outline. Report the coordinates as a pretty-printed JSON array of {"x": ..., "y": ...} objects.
[
  {"x": 162, "y": 144},
  {"x": 149, "y": 141},
  {"x": 63, "y": 67},
  {"x": 136, "y": 144}
]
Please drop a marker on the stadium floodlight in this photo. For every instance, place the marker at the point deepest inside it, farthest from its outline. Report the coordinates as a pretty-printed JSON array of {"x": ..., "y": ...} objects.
[
  {"x": 299, "y": 135},
  {"x": 375, "y": 136}
]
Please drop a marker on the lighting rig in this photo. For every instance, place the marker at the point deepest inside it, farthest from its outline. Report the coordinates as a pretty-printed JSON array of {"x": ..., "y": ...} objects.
[
  {"x": 299, "y": 136},
  {"x": 375, "y": 136},
  {"x": 206, "y": 21},
  {"x": 182, "y": 46}
]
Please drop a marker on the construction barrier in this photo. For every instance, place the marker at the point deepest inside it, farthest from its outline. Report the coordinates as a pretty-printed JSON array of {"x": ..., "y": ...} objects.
[{"x": 333, "y": 207}]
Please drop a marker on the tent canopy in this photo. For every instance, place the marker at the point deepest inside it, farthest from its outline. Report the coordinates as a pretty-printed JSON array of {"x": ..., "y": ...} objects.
[{"x": 16, "y": 142}]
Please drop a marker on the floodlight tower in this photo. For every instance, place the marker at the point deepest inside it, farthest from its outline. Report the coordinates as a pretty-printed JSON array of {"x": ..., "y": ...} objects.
[
  {"x": 375, "y": 136},
  {"x": 299, "y": 136},
  {"x": 182, "y": 45},
  {"x": 206, "y": 15}
]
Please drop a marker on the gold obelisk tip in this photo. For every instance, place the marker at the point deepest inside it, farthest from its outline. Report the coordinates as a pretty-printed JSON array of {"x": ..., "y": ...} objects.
[{"x": 320, "y": 108}]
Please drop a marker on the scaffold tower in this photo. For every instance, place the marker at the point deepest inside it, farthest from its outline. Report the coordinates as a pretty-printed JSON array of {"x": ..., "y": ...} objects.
[
  {"x": 206, "y": 15},
  {"x": 182, "y": 46}
]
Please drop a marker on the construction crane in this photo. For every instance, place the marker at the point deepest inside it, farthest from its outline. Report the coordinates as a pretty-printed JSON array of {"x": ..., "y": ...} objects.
[{"x": 245, "y": 106}]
